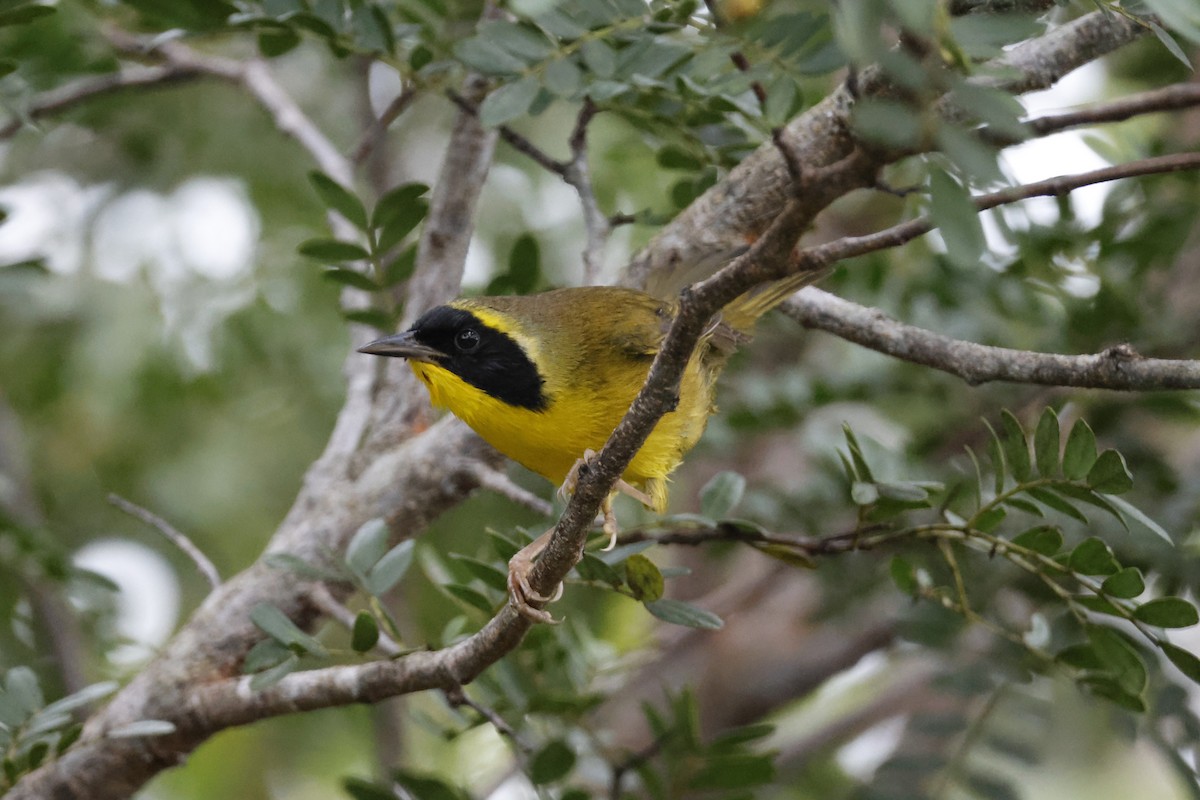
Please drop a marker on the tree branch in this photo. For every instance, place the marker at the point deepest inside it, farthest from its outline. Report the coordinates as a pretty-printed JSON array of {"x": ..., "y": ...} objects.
[
  {"x": 1119, "y": 368},
  {"x": 850, "y": 246},
  {"x": 63, "y": 98},
  {"x": 203, "y": 565}
]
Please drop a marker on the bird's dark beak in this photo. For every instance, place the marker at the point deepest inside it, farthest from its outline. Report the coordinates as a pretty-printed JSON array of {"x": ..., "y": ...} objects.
[{"x": 402, "y": 345}]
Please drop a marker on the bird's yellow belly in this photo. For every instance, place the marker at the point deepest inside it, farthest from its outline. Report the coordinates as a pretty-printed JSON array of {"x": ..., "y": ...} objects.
[{"x": 549, "y": 442}]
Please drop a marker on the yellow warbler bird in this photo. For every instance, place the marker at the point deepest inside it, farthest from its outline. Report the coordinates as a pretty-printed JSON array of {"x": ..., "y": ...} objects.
[{"x": 545, "y": 379}]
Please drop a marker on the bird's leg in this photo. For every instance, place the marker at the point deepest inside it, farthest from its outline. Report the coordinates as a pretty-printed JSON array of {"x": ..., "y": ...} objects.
[
  {"x": 622, "y": 486},
  {"x": 520, "y": 593}
]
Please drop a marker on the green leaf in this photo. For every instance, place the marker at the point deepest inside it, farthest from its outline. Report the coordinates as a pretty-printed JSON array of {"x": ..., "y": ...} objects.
[
  {"x": 487, "y": 57},
  {"x": 721, "y": 494},
  {"x": 591, "y": 568},
  {"x": 427, "y": 787},
  {"x": 678, "y": 612},
  {"x": 303, "y": 568},
  {"x": 563, "y": 78},
  {"x": 367, "y": 545},
  {"x": 954, "y": 213},
  {"x": 1136, "y": 513},
  {"x": 333, "y": 251},
  {"x": 276, "y": 624},
  {"x": 264, "y": 654},
  {"x": 887, "y": 122},
  {"x": 643, "y": 578},
  {"x": 1093, "y": 557},
  {"x": 21, "y": 686},
  {"x": 903, "y": 491},
  {"x": 1081, "y": 657},
  {"x": 491, "y": 576},
  {"x": 276, "y": 42},
  {"x": 381, "y": 320},
  {"x": 988, "y": 520},
  {"x": 598, "y": 58},
  {"x": 903, "y": 575},
  {"x": 1045, "y": 444},
  {"x": 524, "y": 264},
  {"x": 1033, "y": 509},
  {"x": 861, "y": 471},
  {"x": 404, "y": 200},
  {"x": 1120, "y": 658},
  {"x": 351, "y": 278},
  {"x": 996, "y": 456},
  {"x": 471, "y": 597},
  {"x": 1112, "y": 691},
  {"x": 85, "y": 696},
  {"x": 401, "y": 267},
  {"x": 526, "y": 43},
  {"x": 1016, "y": 448},
  {"x": 141, "y": 728},
  {"x": 1043, "y": 539},
  {"x": 1099, "y": 605},
  {"x": 734, "y": 771},
  {"x": 510, "y": 101},
  {"x": 552, "y": 763},
  {"x": 1185, "y": 660},
  {"x": 340, "y": 199},
  {"x": 1168, "y": 41},
  {"x": 1181, "y": 16},
  {"x": 359, "y": 789},
  {"x": 1109, "y": 474},
  {"x": 1051, "y": 500},
  {"x": 672, "y": 156},
  {"x": 1167, "y": 612},
  {"x": 784, "y": 100},
  {"x": 24, "y": 14},
  {"x": 269, "y": 677},
  {"x": 1080, "y": 452},
  {"x": 365, "y": 634},
  {"x": 863, "y": 493},
  {"x": 388, "y": 571},
  {"x": 1125, "y": 584}
]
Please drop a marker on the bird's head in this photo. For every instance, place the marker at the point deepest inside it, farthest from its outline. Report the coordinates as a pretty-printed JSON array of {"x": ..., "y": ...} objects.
[{"x": 463, "y": 347}]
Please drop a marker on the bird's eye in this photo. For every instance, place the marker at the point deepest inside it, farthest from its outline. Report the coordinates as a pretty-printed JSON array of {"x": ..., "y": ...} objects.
[{"x": 467, "y": 340}]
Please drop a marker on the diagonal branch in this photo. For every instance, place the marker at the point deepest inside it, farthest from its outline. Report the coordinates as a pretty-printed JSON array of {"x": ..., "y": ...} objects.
[
  {"x": 1119, "y": 368},
  {"x": 64, "y": 98},
  {"x": 850, "y": 246}
]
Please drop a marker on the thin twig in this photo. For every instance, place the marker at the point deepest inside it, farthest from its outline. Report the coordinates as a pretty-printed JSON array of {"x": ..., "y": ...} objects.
[
  {"x": 374, "y": 134},
  {"x": 457, "y": 696},
  {"x": 1118, "y": 368},
  {"x": 578, "y": 175},
  {"x": 65, "y": 97},
  {"x": 1169, "y": 98},
  {"x": 203, "y": 565},
  {"x": 850, "y": 246},
  {"x": 504, "y": 486},
  {"x": 514, "y": 139}
]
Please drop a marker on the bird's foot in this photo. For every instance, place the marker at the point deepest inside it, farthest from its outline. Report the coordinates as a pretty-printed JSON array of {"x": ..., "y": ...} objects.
[
  {"x": 520, "y": 592},
  {"x": 624, "y": 487}
]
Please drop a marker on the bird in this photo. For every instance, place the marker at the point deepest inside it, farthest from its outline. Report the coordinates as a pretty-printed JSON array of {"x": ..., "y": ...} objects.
[{"x": 545, "y": 379}]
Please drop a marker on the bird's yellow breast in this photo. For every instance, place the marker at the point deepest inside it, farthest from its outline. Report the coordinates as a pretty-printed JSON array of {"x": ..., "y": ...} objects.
[{"x": 588, "y": 388}]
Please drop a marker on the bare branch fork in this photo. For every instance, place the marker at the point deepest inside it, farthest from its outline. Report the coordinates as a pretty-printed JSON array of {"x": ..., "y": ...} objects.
[{"x": 574, "y": 172}]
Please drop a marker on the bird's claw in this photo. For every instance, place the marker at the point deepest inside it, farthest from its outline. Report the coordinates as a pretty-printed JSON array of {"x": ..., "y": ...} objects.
[{"x": 521, "y": 593}]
